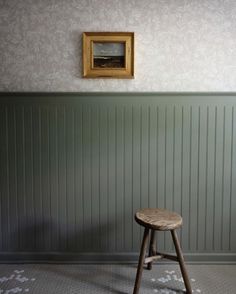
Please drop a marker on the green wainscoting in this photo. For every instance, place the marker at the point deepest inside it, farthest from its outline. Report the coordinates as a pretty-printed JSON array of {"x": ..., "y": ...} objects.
[{"x": 74, "y": 168}]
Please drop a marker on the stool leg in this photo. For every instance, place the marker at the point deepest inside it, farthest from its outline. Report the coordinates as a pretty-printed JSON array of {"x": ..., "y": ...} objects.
[
  {"x": 181, "y": 262},
  {"x": 141, "y": 261},
  {"x": 152, "y": 249}
]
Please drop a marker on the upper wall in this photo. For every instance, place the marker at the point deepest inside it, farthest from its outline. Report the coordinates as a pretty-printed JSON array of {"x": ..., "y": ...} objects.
[{"x": 184, "y": 45}]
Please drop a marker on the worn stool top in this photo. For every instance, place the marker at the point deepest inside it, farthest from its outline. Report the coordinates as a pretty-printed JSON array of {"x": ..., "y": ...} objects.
[{"x": 158, "y": 219}]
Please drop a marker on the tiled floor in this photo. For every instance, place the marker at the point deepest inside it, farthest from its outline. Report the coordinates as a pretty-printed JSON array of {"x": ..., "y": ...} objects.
[{"x": 119, "y": 279}]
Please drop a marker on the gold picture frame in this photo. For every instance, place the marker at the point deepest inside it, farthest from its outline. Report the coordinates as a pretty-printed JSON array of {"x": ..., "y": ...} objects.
[{"x": 108, "y": 55}]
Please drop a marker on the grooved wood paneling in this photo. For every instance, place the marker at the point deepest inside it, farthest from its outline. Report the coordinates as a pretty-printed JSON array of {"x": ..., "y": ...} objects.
[{"x": 75, "y": 168}]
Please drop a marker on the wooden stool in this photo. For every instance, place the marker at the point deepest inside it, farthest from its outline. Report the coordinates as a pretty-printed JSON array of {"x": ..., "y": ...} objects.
[{"x": 159, "y": 220}]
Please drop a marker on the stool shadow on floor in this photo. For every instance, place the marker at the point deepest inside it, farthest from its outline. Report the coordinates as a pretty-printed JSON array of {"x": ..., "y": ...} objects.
[
  {"x": 93, "y": 277},
  {"x": 105, "y": 278}
]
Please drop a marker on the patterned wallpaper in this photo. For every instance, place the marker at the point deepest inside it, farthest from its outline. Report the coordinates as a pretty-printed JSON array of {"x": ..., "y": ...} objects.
[{"x": 184, "y": 45}]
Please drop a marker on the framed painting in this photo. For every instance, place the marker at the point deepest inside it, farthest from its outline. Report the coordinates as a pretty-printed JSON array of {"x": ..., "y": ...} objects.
[{"x": 108, "y": 55}]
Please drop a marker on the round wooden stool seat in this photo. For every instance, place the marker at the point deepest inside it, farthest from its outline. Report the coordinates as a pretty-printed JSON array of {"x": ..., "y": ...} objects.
[{"x": 158, "y": 219}]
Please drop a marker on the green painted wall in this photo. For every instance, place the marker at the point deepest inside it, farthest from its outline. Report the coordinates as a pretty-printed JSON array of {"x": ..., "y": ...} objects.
[{"x": 75, "y": 167}]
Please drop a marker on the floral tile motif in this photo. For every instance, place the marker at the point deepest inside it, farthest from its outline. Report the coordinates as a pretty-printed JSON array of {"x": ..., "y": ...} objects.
[
  {"x": 18, "y": 279},
  {"x": 161, "y": 284}
]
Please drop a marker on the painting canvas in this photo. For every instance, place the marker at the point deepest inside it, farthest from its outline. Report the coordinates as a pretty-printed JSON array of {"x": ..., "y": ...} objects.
[{"x": 109, "y": 55}]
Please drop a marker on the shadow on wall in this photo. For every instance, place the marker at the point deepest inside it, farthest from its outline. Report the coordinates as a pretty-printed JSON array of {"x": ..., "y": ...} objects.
[{"x": 46, "y": 235}]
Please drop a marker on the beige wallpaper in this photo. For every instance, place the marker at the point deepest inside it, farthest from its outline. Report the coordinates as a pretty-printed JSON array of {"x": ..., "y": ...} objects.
[{"x": 181, "y": 45}]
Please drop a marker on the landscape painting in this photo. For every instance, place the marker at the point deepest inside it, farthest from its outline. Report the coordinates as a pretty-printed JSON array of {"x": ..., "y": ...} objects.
[{"x": 108, "y": 55}]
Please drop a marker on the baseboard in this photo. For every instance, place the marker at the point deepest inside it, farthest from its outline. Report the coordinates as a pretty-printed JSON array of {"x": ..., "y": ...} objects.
[{"x": 59, "y": 257}]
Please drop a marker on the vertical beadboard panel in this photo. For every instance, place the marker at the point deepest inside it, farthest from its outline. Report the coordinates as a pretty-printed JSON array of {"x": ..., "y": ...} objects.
[
  {"x": 219, "y": 175},
  {"x": 210, "y": 179},
  {"x": 29, "y": 234},
  {"x": 232, "y": 234},
  {"x": 103, "y": 178},
  {"x": 1, "y": 175},
  {"x": 13, "y": 211},
  {"x": 37, "y": 180},
  {"x": 169, "y": 168},
  {"x": 5, "y": 229},
  {"x": 185, "y": 212},
  {"x": 201, "y": 189},
  {"x": 21, "y": 184},
  {"x": 95, "y": 181},
  {"x": 70, "y": 169},
  {"x": 6, "y": 184},
  {"x": 53, "y": 177},
  {"x": 72, "y": 174},
  {"x": 226, "y": 194},
  {"x": 136, "y": 152},
  {"x": 62, "y": 211},
  {"x": 177, "y": 184},
  {"x": 161, "y": 167},
  {"x": 111, "y": 179},
  {"x": 144, "y": 148},
  {"x": 194, "y": 175},
  {"x": 79, "y": 185},
  {"x": 120, "y": 224},
  {"x": 152, "y": 156},
  {"x": 45, "y": 181},
  {"x": 86, "y": 130},
  {"x": 128, "y": 177}
]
